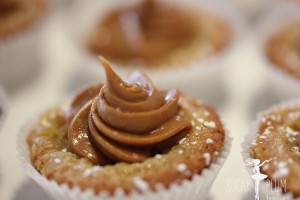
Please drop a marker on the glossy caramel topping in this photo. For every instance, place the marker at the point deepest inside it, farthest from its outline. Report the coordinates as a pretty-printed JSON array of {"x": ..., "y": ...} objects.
[
  {"x": 147, "y": 32},
  {"x": 126, "y": 121}
]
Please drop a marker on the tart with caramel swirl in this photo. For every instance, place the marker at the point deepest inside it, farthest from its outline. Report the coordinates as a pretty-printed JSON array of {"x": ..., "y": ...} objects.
[{"x": 112, "y": 133}]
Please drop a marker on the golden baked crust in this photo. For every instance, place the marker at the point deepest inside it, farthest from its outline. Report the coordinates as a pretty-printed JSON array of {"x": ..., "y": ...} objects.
[
  {"x": 279, "y": 139},
  {"x": 283, "y": 49},
  {"x": 50, "y": 154},
  {"x": 20, "y": 16}
]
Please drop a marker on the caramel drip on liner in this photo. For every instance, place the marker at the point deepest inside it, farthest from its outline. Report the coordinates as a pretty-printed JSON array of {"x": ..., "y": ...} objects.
[{"x": 130, "y": 131}]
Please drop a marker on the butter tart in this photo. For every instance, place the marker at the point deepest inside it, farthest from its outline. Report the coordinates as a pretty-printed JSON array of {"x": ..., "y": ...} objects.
[
  {"x": 126, "y": 136},
  {"x": 20, "y": 25},
  {"x": 157, "y": 33},
  {"x": 283, "y": 49},
  {"x": 275, "y": 142},
  {"x": 17, "y": 15}
]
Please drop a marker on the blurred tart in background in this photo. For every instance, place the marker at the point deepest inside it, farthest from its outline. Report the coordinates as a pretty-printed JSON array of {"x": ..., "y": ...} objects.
[
  {"x": 17, "y": 15},
  {"x": 155, "y": 33},
  {"x": 20, "y": 25},
  {"x": 283, "y": 49}
]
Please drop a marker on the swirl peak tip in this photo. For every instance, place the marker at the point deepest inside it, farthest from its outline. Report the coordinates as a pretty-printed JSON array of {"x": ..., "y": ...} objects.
[{"x": 104, "y": 62}]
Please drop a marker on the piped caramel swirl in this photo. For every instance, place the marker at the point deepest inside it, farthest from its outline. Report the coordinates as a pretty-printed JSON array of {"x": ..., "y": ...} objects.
[{"x": 127, "y": 121}]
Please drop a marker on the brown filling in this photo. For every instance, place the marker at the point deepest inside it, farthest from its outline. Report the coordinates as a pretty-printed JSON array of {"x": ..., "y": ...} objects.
[
  {"x": 148, "y": 32},
  {"x": 125, "y": 121},
  {"x": 8, "y": 6}
]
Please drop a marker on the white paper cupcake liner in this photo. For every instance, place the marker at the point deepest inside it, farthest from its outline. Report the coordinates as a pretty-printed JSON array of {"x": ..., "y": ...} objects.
[
  {"x": 256, "y": 9},
  {"x": 60, "y": 6},
  {"x": 253, "y": 8},
  {"x": 264, "y": 187},
  {"x": 19, "y": 54},
  {"x": 281, "y": 82},
  {"x": 280, "y": 3},
  {"x": 3, "y": 106},
  {"x": 199, "y": 76},
  {"x": 196, "y": 188}
]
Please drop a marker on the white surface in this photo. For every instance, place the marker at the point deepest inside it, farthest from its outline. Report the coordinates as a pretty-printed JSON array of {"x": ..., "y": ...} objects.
[{"x": 246, "y": 91}]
